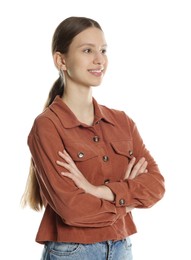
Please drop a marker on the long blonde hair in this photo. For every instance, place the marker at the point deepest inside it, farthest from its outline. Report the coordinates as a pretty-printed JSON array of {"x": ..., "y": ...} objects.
[{"x": 62, "y": 38}]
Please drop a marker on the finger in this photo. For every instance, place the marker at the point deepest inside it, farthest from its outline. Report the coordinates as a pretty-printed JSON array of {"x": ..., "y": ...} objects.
[
  {"x": 61, "y": 163},
  {"x": 139, "y": 164},
  {"x": 65, "y": 165},
  {"x": 68, "y": 156},
  {"x": 64, "y": 155},
  {"x": 69, "y": 167},
  {"x": 130, "y": 167},
  {"x": 139, "y": 167},
  {"x": 61, "y": 154},
  {"x": 143, "y": 167},
  {"x": 141, "y": 170},
  {"x": 69, "y": 175}
]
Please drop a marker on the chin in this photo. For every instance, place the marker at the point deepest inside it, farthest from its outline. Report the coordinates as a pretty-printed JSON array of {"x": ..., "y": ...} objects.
[{"x": 96, "y": 85}]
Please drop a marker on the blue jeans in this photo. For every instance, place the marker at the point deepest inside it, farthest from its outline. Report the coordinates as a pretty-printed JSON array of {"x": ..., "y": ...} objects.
[{"x": 108, "y": 250}]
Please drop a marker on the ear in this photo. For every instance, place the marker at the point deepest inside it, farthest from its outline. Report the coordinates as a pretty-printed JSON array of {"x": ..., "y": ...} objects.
[{"x": 59, "y": 61}]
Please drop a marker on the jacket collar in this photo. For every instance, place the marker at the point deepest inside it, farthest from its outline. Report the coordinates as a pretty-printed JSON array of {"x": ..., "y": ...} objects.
[{"x": 69, "y": 120}]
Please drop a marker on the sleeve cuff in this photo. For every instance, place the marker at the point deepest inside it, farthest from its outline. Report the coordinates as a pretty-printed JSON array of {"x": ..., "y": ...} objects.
[{"x": 120, "y": 190}]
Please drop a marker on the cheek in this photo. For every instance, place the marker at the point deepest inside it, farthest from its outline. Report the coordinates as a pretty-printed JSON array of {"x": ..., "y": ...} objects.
[
  {"x": 77, "y": 68},
  {"x": 106, "y": 63},
  {"x": 74, "y": 71},
  {"x": 70, "y": 68}
]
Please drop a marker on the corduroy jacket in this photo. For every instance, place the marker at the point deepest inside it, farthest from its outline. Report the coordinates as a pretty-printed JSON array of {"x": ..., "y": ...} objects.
[{"x": 102, "y": 153}]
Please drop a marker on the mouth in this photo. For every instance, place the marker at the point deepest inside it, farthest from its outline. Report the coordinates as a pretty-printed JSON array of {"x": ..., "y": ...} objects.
[{"x": 96, "y": 72}]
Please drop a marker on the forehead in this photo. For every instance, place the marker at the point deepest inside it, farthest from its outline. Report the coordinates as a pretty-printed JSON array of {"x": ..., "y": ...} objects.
[{"x": 93, "y": 36}]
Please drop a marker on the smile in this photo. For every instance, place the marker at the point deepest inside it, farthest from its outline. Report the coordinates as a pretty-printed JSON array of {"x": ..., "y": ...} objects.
[{"x": 97, "y": 72}]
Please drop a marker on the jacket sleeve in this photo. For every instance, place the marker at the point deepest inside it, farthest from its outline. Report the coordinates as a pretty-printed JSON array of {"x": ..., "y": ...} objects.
[
  {"x": 146, "y": 189},
  {"x": 73, "y": 205}
]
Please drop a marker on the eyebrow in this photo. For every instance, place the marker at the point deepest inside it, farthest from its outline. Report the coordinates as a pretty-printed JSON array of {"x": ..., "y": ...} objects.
[{"x": 90, "y": 44}]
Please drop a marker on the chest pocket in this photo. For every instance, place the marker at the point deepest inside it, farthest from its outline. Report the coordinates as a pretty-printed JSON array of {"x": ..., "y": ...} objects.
[
  {"x": 124, "y": 147},
  {"x": 81, "y": 152}
]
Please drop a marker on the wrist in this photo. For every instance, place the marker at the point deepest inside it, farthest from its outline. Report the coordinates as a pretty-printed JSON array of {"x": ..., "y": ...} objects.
[
  {"x": 101, "y": 192},
  {"x": 104, "y": 192},
  {"x": 92, "y": 190}
]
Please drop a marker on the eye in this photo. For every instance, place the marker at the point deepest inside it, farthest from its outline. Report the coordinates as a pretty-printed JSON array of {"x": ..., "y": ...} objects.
[
  {"x": 104, "y": 51},
  {"x": 88, "y": 50}
]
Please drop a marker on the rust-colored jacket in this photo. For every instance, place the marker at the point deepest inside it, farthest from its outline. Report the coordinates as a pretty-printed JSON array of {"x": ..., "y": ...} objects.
[{"x": 101, "y": 152}]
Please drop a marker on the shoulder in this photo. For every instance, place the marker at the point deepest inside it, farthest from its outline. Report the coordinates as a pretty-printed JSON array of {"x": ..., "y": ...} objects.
[
  {"x": 116, "y": 115},
  {"x": 43, "y": 121}
]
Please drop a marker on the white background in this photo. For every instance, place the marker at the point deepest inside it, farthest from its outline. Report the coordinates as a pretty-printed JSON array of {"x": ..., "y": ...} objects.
[{"x": 149, "y": 77}]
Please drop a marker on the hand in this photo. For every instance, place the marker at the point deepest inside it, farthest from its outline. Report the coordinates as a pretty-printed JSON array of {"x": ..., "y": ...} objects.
[
  {"x": 134, "y": 170},
  {"x": 102, "y": 192},
  {"x": 74, "y": 173}
]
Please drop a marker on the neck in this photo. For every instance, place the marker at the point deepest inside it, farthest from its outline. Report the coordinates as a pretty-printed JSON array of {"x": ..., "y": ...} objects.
[{"x": 80, "y": 103}]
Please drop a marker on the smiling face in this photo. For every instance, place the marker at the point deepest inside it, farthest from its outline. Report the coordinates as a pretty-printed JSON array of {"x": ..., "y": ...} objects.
[{"x": 86, "y": 61}]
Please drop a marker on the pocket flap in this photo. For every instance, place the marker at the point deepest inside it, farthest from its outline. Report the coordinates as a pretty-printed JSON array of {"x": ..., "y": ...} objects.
[
  {"x": 80, "y": 152},
  {"x": 124, "y": 147}
]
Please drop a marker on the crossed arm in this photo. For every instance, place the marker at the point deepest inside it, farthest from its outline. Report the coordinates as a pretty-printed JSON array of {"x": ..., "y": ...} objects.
[{"x": 102, "y": 192}]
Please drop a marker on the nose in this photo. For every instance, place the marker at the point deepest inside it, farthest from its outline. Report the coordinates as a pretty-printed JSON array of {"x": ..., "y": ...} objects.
[{"x": 99, "y": 58}]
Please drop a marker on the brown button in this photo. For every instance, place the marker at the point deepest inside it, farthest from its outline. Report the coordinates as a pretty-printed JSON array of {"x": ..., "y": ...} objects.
[
  {"x": 130, "y": 152},
  {"x": 107, "y": 181},
  {"x": 96, "y": 139},
  {"x": 105, "y": 158},
  {"x": 80, "y": 154},
  {"x": 121, "y": 202}
]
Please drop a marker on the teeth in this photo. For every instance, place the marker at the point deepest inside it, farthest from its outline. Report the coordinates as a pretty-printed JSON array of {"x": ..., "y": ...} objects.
[{"x": 97, "y": 71}]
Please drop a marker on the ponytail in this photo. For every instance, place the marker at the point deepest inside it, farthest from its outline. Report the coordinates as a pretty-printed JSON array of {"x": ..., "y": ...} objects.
[
  {"x": 57, "y": 89},
  {"x": 32, "y": 196}
]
